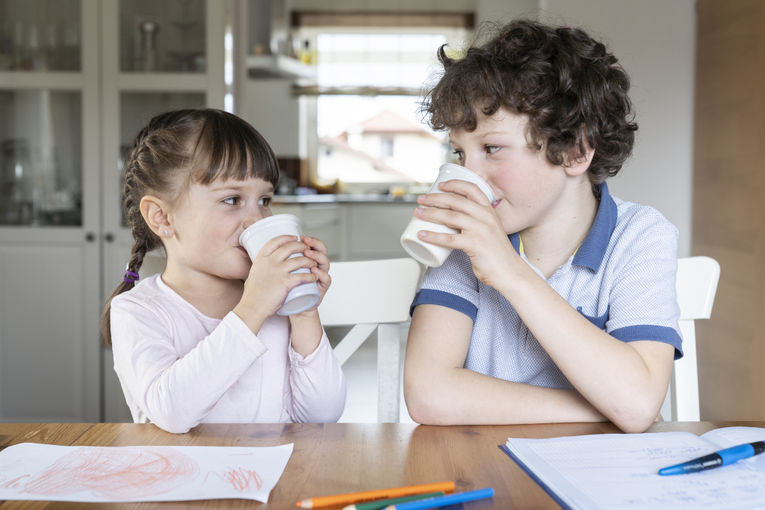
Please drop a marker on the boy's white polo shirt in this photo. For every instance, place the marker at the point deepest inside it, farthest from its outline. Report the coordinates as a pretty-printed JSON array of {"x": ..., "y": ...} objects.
[{"x": 622, "y": 278}]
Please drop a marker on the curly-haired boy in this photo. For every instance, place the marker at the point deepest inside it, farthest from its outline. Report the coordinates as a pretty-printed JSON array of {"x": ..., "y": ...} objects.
[{"x": 558, "y": 302}]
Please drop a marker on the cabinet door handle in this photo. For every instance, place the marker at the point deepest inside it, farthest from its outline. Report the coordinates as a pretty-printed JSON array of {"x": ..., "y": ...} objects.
[
  {"x": 109, "y": 237},
  {"x": 90, "y": 237}
]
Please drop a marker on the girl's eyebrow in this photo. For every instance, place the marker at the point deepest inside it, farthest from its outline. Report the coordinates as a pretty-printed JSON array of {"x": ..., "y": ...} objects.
[{"x": 238, "y": 187}]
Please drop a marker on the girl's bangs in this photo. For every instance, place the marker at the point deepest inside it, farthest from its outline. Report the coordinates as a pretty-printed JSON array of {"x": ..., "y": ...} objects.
[{"x": 232, "y": 151}]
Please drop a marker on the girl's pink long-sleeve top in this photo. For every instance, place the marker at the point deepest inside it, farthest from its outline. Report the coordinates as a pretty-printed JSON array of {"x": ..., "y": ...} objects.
[{"x": 179, "y": 368}]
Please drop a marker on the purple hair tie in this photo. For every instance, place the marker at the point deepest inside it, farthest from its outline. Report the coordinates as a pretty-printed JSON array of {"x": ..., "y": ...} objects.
[{"x": 130, "y": 276}]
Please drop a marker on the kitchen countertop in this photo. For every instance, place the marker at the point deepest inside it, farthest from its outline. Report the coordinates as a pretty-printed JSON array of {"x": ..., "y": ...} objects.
[{"x": 355, "y": 198}]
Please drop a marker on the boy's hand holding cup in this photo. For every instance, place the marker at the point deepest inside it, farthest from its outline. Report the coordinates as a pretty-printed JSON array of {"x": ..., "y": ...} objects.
[
  {"x": 304, "y": 296},
  {"x": 430, "y": 254}
]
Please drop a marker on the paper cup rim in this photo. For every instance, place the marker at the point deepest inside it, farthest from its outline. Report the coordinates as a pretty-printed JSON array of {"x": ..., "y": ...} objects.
[
  {"x": 268, "y": 222},
  {"x": 473, "y": 177}
]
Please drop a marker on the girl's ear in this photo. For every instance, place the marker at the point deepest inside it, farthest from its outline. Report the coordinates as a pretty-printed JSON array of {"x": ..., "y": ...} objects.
[{"x": 155, "y": 212}]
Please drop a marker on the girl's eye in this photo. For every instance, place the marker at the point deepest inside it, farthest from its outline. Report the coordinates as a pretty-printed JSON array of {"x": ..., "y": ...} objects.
[
  {"x": 265, "y": 201},
  {"x": 491, "y": 149},
  {"x": 231, "y": 200}
]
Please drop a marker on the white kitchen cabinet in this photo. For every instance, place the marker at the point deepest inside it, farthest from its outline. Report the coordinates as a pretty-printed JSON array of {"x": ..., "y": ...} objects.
[
  {"x": 78, "y": 78},
  {"x": 49, "y": 211},
  {"x": 354, "y": 230},
  {"x": 323, "y": 221},
  {"x": 373, "y": 229}
]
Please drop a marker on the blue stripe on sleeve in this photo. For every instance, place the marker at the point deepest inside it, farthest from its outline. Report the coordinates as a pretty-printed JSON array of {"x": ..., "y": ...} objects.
[
  {"x": 657, "y": 333},
  {"x": 439, "y": 297}
]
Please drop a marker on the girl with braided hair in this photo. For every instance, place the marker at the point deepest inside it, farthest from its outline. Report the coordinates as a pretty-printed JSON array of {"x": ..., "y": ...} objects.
[{"x": 201, "y": 342}]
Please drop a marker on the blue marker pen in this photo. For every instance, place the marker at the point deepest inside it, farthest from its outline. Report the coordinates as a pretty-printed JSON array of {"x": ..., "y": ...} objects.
[
  {"x": 441, "y": 501},
  {"x": 717, "y": 459}
]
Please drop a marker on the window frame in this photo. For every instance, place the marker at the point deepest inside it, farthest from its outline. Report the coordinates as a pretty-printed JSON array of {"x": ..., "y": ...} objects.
[{"x": 308, "y": 24}]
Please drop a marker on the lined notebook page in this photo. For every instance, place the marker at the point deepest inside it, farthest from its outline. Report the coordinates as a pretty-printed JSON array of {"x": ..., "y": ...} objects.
[{"x": 619, "y": 471}]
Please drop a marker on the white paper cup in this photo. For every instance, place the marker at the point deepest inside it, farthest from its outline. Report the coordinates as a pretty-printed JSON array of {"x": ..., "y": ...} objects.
[
  {"x": 304, "y": 296},
  {"x": 431, "y": 254}
]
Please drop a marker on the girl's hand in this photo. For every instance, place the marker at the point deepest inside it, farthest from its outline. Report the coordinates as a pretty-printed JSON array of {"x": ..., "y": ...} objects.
[
  {"x": 271, "y": 278},
  {"x": 317, "y": 252},
  {"x": 481, "y": 236},
  {"x": 306, "y": 327}
]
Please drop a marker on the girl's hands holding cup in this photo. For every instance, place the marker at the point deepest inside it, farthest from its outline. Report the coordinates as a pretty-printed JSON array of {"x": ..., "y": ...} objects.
[
  {"x": 465, "y": 208},
  {"x": 317, "y": 252},
  {"x": 271, "y": 278},
  {"x": 306, "y": 326}
]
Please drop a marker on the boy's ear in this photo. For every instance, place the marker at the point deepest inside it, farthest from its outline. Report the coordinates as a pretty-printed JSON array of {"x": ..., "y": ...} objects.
[
  {"x": 155, "y": 212},
  {"x": 578, "y": 164}
]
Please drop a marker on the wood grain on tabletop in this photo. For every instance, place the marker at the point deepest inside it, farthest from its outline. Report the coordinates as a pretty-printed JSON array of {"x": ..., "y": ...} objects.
[{"x": 338, "y": 458}]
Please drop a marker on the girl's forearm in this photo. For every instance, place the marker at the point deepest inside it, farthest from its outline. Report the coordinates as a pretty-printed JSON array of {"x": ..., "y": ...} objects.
[{"x": 306, "y": 332}]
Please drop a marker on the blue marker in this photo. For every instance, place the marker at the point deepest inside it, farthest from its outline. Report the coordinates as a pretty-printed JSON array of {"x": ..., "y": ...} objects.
[
  {"x": 717, "y": 459},
  {"x": 450, "y": 499}
]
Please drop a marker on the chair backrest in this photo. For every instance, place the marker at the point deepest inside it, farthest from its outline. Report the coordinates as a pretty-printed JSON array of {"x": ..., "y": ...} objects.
[
  {"x": 373, "y": 295},
  {"x": 696, "y": 285},
  {"x": 377, "y": 291}
]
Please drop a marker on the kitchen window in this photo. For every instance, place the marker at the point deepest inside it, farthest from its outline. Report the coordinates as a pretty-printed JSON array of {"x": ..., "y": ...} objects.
[{"x": 367, "y": 133}]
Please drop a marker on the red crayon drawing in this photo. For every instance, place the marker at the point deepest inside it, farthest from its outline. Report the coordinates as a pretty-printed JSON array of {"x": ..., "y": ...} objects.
[
  {"x": 243, "y": 479},
  {"x": 118, "y": 474}
]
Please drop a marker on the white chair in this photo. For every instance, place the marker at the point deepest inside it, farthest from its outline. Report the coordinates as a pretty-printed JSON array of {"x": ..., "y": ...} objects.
[
  {"x": 697, "y": 279},
  {"x": 373, "y": 294}
]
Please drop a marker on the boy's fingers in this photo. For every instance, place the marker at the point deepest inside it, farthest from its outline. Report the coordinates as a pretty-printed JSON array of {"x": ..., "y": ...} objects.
[
  {"x": 439, "y": 238},
  {"x": 448, "y": 217},
  {"x": 466, "y": 189}
]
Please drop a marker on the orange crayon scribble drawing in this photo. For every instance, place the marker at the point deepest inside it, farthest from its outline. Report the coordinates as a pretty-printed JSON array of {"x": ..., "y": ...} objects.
[
  {"x": 13, "y": 484},
  {"x": 115, "y": 474},
  {"x": 242, "y": 479}
]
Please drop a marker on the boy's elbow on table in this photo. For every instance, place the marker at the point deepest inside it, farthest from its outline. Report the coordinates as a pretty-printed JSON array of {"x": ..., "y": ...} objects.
[
  {"x": 636, "y": 417},
  {"x": 426, "y": 406}
]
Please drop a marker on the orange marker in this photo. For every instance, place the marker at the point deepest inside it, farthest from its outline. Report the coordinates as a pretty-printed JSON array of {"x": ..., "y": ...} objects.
[{"x": 356, "y": 497}]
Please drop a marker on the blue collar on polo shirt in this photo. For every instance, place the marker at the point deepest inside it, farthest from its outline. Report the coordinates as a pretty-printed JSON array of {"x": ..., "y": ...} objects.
[{"x": 591, "y": 252}]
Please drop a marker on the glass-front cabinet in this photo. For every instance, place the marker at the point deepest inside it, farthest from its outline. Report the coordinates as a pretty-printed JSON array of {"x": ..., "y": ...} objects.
[{"x": 78, "y": 79}]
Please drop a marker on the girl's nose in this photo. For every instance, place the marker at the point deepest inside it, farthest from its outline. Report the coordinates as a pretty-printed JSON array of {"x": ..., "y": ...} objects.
[{"x": 252, "y": 218}]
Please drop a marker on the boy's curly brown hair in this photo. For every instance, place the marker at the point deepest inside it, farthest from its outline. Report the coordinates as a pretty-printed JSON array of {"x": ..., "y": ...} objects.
[{"x": 570, "y": 87}]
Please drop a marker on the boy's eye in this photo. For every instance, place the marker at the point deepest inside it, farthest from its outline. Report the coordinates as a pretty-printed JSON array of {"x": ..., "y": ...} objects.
[
  {"x": 458, "y": 154},
  {"x": 265, "y": 201},
  {"x": 231, "y": 200}
]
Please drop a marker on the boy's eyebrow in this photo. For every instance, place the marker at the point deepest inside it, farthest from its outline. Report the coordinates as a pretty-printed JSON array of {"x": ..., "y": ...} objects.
[{"x": 480, "y": 133}]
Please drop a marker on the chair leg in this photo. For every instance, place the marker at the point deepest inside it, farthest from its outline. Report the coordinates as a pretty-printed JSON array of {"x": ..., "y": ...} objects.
[{"x": 388, "y": 373}]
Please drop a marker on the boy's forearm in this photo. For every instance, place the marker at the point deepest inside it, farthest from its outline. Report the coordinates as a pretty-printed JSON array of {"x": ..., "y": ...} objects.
[
  {"x": 463, "y": 396},
  {"x": 613, "y": 375}
]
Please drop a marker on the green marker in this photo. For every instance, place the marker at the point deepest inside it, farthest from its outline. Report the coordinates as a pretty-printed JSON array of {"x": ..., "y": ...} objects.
[{"x": 382, "y": 503}]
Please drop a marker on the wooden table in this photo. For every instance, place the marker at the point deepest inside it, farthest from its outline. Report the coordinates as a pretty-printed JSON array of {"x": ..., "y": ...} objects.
[{"x": 344, "y": 457}]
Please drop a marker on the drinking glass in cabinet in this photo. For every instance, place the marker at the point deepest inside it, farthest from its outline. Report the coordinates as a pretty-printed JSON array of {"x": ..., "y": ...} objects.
[
  {"x": 40, "y": 35},
  {"x": 40, "y": 158},
  {"x": 167, "y": 36}
]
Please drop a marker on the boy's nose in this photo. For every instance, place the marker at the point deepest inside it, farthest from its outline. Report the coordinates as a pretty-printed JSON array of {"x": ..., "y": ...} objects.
[{"x": 474, "y": 166}]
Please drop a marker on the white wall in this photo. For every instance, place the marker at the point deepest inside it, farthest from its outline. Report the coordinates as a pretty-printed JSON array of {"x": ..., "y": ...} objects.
[{"x": 655, "y": 41}]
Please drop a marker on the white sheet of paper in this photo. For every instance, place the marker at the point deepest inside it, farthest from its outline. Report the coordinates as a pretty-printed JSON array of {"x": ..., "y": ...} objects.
[{"x": 32, "y": 471}]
